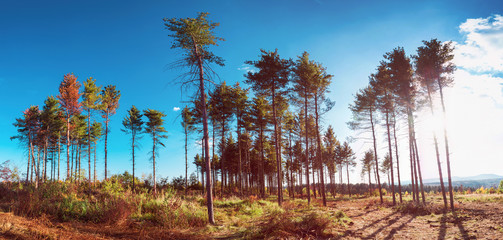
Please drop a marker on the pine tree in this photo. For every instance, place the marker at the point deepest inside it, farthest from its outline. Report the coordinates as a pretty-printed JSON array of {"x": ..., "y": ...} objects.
[
  {"x": 195, "y": 36},
  {"x": 364, "y": 112},
  {"x": 154, "y": 127},
  {"x": 109, "y": 104},
  {"x": 133, "y": 125},
  {"x": 90, "y": 102},
  {"x": 271, "y": 79},
  {"x": 433, "y": 67}
]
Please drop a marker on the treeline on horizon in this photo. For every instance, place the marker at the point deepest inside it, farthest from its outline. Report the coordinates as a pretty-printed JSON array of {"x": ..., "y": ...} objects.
[{"x": 264, "y": 136}]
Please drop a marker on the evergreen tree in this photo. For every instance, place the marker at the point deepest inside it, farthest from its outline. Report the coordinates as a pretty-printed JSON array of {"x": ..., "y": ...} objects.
[
  {"x": 195, "y": 36},
  {"x": 433, "y": 67},
  {"x": 109, "y": 104},
  {"x": 271, "y": 79},
  {"x": 154, "y": 127},
  {"x": 133, "y": 125},
  {"x": 364, "y": 112},
  {"x": 90, "y": 102}
]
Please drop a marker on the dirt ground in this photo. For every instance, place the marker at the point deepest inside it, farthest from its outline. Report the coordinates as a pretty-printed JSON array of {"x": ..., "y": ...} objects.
[
  {"x": 476, "y": 218},
  {"x": 473, "y": 220}
]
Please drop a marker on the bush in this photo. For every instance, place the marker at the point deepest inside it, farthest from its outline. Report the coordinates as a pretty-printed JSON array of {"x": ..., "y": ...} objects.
[{"x": 481, "y": 190}]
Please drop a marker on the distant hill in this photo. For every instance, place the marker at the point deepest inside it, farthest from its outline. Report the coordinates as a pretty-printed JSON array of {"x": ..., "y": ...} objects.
[{"x": 482, "y": 180}]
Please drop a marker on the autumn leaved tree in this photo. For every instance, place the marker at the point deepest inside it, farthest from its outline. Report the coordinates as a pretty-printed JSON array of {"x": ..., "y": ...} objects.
[
  {"x": 195, "y": 36},
  {"x": 69, "y": 100}
]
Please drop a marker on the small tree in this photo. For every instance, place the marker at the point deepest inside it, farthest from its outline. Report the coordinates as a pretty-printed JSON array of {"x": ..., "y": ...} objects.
[
  {"x": 90, "y": 101},
  {"x": 367, "y": 165},
  {"x": 109, "y": 104},
  {"x": 188, "y": 127},
  {"x": 133, "y": 125},
  {"x": 154, "y": 127},
  {"x": 96, "y": 133}
]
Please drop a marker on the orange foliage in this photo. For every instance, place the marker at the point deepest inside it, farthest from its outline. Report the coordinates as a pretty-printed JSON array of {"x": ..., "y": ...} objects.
[{"x": 69, "y": 95}]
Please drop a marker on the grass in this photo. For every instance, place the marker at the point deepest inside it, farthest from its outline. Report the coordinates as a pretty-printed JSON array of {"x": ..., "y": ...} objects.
[{"x": 110, "y": 203}]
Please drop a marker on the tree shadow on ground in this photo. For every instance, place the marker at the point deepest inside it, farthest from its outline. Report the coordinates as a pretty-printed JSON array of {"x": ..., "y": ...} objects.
[
  {"x": 396, "y": 229},
  {"x": 358, "y": 231},
  {"x": 458, "y": 221}
]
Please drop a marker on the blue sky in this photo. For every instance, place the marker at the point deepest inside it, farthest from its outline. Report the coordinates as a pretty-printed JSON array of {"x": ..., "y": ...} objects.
[{"x": 125, "y": 44}]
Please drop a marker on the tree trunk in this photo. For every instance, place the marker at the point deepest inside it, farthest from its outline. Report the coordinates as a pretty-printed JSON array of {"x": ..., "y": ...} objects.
[
  {"x": 320, "y": 157},
  {"x": 390, "y": 158},
  {"x": 132, "y": 146},
  {"x": 186, "y": 164},
  {"x": 106, "y": 142},
  {"x": 411, "y": 155},
  {"x": 419, "y": 171},
  {"x": 347, "y": 171},
  {"x": 276, "y": 146},
  {"x": 437, "y": 152},
  {"x": 446, "y": 140},
  {"x": 95, "y": 146},
  {"x": 68, "y": 148},
  {"x": 307, "y": 148},
  {"x": 375, "y": 154},
  {"x": 153, "y": 162},
  {"x": 209, "y": 198},
  {"x": 29, "y": 159},
  {"x": 240, "y": 171},
  {"x": 89, "y": 144},
  {"x": 397, "y": 161},
  {"x": 59, "y": 154},
  {"x": 261, "y": 172},
  {"x": 222, "y": 160}
]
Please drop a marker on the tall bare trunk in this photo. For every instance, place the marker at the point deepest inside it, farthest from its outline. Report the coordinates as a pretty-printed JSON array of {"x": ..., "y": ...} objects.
[
  {"x": 68, "y": 148},
  {"x": 89, "y": 144},
  {"x": 153, "y": 163},
  {"x": 430, "y": 101},
  {"x": 186, "y": 162},
  {"x": 307, "y": 149},
  {"x": 106, "y": 142},
  {"x": 390, "y": 159},
  {"x": 95, "y": 146},
  {"x": 132, "y": 146},
  {"x": 209, "y": 197},
  {"x": 59, "y": 154},
  {"x": 375, "y": 153},
  {"x": 276, "y": 146},
  {"x": 320, "y": 157},
  {"x": 349, "y": 187},
  {"x": 446, "y": 140},
  {"x": 397, "y": 159}
]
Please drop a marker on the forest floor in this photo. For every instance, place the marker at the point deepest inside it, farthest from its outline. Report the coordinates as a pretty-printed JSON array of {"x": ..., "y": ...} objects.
[{"x": 477, "y": 217}]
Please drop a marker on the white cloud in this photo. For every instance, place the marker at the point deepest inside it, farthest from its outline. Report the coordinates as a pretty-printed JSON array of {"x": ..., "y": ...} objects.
[
  {"x": 475, "y": 102},
  {"x": 482, "y": 50},
  {"x": 176, "y": 109},
  {"x": 246, "y": 68}
]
